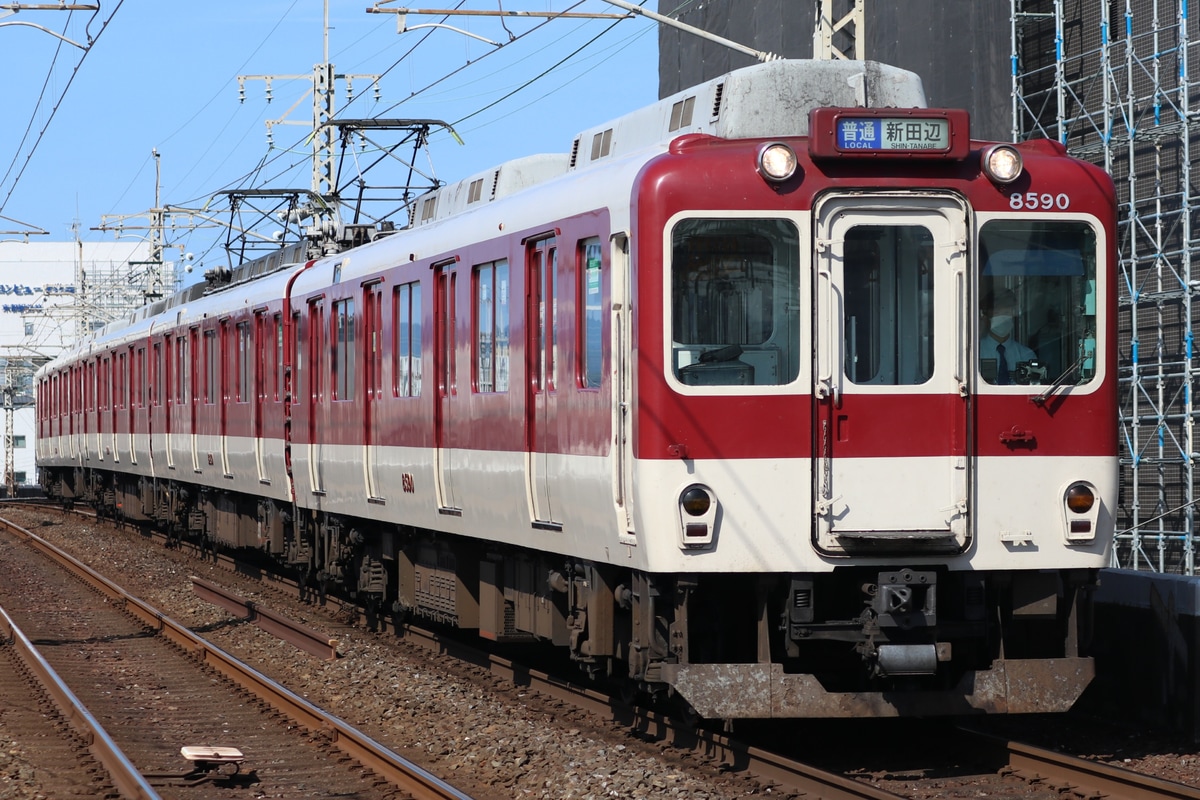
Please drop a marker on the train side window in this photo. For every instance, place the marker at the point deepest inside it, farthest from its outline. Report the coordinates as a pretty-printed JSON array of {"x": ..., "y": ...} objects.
[
  {"x": 184, "y": 382},
  {"x": 278, "y": 389},
  {"x": 103, "y": 393},
  {"x": 245, "y": 363},
  {"x": 888, "y": 308},
  {"x": 316, "y": 343},
  {"x": 542, "y": 281},
  {"x": 156, "y": 375},
  {"x": 406, "y": 344},
  {"x": 162, "y": 356},
  {"x": 343, "y": 352},
  {"x": 141, "y": 379},
  {"x": 491, "y": 326},
  {"x": 1037, "y": 299},
  {"x": 262, "y": 352},
  {"x": 590, "y": 323},
  {"x": 735, "y": 302},
  {"x": 212, "y": 363},
  {"x": 122, "y": 380}
]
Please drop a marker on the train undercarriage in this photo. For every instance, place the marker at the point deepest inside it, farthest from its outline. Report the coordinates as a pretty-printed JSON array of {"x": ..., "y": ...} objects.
[{"x": 857, "y": 641}]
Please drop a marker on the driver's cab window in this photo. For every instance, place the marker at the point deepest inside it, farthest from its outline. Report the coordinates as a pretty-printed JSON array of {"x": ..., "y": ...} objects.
[
  {"x": 735, "y": 295},
  {"x": 1037, "y": 303}
]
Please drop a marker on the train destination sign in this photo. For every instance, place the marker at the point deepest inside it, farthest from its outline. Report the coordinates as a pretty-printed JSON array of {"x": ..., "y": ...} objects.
[
  {"x": 894, "y": 133},
  {"x": 889, "y": 132}
]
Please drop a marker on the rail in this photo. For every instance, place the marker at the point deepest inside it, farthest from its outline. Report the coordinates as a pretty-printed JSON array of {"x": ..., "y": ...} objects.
[
  {"x": 401, "y": 772},
  {"x": 1079, "y": 776},
  {"x": 303, "y": 637},
  {"x": 126, "y": 778}
]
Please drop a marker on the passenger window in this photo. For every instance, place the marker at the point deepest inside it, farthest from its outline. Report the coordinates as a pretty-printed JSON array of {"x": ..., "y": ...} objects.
[
  {"x": 591, "y": 351},
  {"x": 491, "y": 327},
  {"x": 344, "y": 354},
  {"x": 406, "y": 344},
  {"x": 735, "y": 296},
  {"x": 887, "y": 308},
  {"x": 212, "y": 362},
  {"x": 1037, "y": 302}
]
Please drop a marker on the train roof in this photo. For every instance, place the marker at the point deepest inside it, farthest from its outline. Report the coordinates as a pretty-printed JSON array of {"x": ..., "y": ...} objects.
[
  {"x": 760, "y": 101},
  {"x": 764, "y": 100}
]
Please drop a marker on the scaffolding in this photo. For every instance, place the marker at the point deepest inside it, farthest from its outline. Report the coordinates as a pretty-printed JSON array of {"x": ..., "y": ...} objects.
[{"x": 1118, "y": 83}]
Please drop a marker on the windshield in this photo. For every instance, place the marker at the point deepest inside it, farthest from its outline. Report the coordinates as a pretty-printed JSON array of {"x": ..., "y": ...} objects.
[
  {"x": 1037, "y": 302},
  {"x": 735, "y": 302}
]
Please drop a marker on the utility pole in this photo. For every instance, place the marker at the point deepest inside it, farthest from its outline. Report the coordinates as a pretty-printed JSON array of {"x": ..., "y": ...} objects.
[
  {"x": 157, "y": 277},
  {"x": 324, "y": 86},
  {"x": 843, "y": 19},
  {"x": 10, "y": 475}
]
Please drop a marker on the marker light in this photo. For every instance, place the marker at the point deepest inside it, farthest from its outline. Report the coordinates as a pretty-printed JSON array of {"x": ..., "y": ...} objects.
[
  {"x": 697, "y": 517},
  {"x": 1002, "y": 163},
  {"x": 1080, "y": 498},
  {"x": 776, "y": 162},
  {"x": 695, "y": 501}
]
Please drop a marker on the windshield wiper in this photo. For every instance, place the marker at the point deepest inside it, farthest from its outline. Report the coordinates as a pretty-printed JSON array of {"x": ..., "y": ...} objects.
[{"x": 1060, "y": 380}]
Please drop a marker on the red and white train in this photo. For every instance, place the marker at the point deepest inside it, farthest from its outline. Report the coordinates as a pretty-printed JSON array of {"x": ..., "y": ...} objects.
[{"x": 715, "y": 401}]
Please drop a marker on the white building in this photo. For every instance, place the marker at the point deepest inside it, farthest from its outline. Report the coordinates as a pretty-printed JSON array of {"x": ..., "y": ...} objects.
[{"x": 52, "y": 294}]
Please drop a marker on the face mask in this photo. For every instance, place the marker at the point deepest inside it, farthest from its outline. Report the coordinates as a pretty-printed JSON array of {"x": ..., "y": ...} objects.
[{"x": 1002, "y": 325}]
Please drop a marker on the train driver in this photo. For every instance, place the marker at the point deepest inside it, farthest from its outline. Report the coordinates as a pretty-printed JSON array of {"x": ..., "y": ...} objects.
[{"x": 1001, "y": 356}]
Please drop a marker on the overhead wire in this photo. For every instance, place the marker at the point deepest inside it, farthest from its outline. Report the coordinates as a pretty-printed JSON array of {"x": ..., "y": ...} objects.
[
  {"x": 58, "y": 103},
  {"x": 255, "y": 176},
  {"x": 258, "y": 175}
]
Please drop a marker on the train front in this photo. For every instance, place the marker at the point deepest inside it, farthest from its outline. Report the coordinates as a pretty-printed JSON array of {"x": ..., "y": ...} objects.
[{"x": 874, "y": 419}]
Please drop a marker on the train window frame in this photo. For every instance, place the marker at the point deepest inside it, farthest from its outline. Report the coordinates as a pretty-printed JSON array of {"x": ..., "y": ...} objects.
[
  {"x": 211, "y": 365},
  {"x": 889, "y": 304},
  {"x": 166, "y": 373},
  {"x": 372, "y": 338},
  {"x": 227, "y": 368},
  {"x": 316, "y": 346},
  {"x": 491, "y": 290},
  {"x": 542, "y": 283},
  {"x": 343, "y": 350},
  {"x": 1027, "y": 288},
  {"x": 792, "y": 362},
  {"x": 263, "y": 356},
  {"x": 407, "y": 326},
  {"x": 138, "y": 379},
  {"x": 589, "y": 345},
  {"x": 122, "y": 379},
  {"x": 104, "y": 393},
  {"x": 244, "y": 369},
  {"x": 279, "y": 356}
]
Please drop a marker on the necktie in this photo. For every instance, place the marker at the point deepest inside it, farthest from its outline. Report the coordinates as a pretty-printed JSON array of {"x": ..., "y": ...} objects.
[{"x": 1001, "y": 365}]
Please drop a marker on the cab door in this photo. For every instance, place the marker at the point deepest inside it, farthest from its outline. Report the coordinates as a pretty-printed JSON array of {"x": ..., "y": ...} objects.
[{"x": 890, "y": 439}]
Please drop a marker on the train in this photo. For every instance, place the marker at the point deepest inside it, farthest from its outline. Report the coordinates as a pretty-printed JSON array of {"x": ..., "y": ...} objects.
[{"x": 781, "y": 397}]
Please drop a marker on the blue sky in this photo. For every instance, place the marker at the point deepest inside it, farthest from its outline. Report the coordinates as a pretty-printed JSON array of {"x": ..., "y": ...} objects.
[{"x": 78, "y": 130}]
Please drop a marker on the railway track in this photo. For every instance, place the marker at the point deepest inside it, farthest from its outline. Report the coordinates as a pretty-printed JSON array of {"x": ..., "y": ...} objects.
[
  {"x": 996, "y": 766},
  {"x": 48, "y": 733},
  {"x": 158, "y": 688}
]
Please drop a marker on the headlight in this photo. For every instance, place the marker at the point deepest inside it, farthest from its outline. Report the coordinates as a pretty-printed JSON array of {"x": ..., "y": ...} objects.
[
  {"x": 1002, "y": 163},
  {"x": 777, "y": 162}
]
